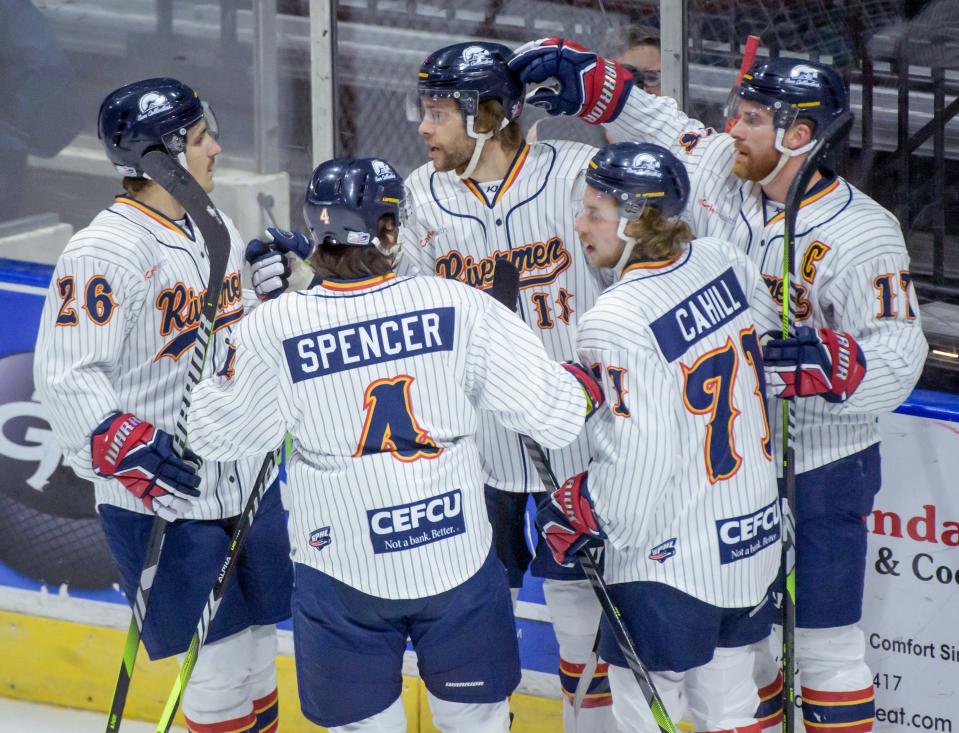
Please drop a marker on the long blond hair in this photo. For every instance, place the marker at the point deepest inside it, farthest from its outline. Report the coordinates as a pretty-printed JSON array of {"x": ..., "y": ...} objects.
[{"x": 657, "y": 237}]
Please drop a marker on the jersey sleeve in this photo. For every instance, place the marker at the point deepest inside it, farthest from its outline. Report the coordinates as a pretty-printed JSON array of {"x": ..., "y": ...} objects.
[
  {"x": 633, "y": 439},
  {"x": 242, "y": 411},
  {"x": 876, "y": 303},
  {"x": 648, "y": 118},
  {"x": 89, "y": 311},
  {"x": 509, "y": 373}
]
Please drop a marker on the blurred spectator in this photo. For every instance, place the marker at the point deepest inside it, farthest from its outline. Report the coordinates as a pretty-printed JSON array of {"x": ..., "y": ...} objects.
[
  {"x": 637, "y": 48},
  {"x": 38, "y": 114}
]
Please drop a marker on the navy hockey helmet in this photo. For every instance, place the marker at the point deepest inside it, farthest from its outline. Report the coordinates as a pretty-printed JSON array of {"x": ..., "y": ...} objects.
[
  {"x": 792, "y": 89},
  {"x": 470, "y": 73},
  {"x": 347, "y": 197},
  {"x": 638, "y": 175},
  {"x": 148, "y": 115}
]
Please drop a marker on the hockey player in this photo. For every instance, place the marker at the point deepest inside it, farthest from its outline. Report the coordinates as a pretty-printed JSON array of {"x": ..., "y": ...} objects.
[
  {"x": 682, "y": 482},
  {"x": 379, "y": 379},
  {"x": 112, "y": 358},
  {"x": 858, "y": 348},
  {"x": 487, "y": 193}
]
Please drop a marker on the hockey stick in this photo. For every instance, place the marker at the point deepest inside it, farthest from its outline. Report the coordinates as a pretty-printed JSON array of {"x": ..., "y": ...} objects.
[
  {"x": 834, "y": 132},
  {"x": 237, "y": 541},
  {"x": 749, "y": 57},
  {"x": 175, "y": 180},
  {"x": 505, "y": 289},
  {"x": 623, "y": 638}
]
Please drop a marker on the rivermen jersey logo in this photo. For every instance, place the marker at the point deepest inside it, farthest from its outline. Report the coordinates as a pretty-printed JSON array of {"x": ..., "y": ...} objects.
[
  {"x": 180, "y": 308},
  {"x": 538, "y": 264}
]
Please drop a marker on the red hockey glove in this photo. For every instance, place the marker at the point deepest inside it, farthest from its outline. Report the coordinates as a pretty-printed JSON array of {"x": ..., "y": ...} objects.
[
  {"x": 590, "y": 86},
  {"x": 591, "y": 388},
  {"x": 823, "y": 362},
  {"x": 567, "y": 522},
  {"x": 142, "y": 458}
]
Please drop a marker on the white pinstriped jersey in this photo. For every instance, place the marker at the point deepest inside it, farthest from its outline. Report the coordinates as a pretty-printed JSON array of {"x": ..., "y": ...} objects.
[
  {"x": 682, "y": 477},
  {"x": 458, "y": 227},
  {"x": 380, "y": 382},
  {"x": 852, "y": 270},
  {"x": 116, "y": 333}
]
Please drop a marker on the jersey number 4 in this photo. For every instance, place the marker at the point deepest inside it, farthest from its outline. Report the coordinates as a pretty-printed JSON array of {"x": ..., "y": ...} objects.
[
  {"x": 708, "y": 390},
  {"x": 390, "y": 426}
]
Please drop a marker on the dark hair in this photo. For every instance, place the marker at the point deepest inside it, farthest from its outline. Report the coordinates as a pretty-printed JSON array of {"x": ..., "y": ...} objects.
[
  {"x": 349, "y": 262},
  {"x": 133, "y": 186},
  {"x": 657, "y": 237}
]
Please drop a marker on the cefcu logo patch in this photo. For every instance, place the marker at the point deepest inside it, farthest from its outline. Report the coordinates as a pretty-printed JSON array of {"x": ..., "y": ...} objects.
[
  {"x": 745, "y": 536},
  {"x": 405, "y": 526},
  {"x": 320, "y": 538},
  {"x": 663, "y": 551}
]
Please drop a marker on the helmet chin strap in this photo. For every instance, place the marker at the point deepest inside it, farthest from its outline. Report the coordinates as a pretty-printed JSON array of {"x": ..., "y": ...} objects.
[
  {"x": 481, "y": 138},
  {"x": 629, "y": 243},
  {"x": 784, "y": 155}
]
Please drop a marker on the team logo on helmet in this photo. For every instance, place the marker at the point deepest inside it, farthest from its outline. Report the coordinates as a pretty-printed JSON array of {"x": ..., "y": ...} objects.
[
  {"x": 806, "y": 76},
  {"x": 358, "y": 238},
  {"x": 382, "y": 171},
  {"x": 476, "y": 56},
  {"x": 176, "y": 143},
  {"x": 645, "y": 164},
  {"x": 153, "y": 103}
]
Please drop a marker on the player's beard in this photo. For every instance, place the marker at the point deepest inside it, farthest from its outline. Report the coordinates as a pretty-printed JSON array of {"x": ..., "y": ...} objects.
[
  {"x": 755, "y": 166},
  {"x": 456, "y": 157}
]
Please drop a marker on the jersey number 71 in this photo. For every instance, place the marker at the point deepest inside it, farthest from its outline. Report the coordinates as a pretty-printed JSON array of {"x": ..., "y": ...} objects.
[{"x": 708, "y": 390}]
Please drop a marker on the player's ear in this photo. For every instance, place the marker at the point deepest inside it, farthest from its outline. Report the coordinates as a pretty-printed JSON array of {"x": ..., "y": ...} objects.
[{"x": 799, "y": 134}]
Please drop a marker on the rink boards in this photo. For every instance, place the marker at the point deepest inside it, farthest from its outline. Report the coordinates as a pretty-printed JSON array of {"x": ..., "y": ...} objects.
[{"x": 63, "y": 621}]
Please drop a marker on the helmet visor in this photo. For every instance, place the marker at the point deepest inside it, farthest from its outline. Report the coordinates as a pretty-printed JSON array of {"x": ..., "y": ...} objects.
[
  {"x": 758, "y": 110},
  {"x": 601, "y": 202},
  {"x": 212, "y": 126},
  {"x": 439, "y": 106}
]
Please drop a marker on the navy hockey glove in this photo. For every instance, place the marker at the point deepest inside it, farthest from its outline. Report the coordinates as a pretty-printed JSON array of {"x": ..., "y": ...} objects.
[
  {"x": 824, "y": 362},
  {"x": 270, "y": 270},
  {"x": 590, "y": 86},
  {"x": 142, "y": 458},
  {"x": 566, "y": 520},
  {"x": 591, "y": 388}
]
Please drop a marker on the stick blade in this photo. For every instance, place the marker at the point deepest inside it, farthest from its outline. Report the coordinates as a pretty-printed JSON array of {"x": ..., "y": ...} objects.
[{"x": 505, "y": 287}]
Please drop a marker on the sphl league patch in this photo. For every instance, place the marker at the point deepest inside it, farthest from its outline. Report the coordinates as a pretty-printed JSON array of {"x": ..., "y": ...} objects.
[
  {"x": 663, "y": 551},
  {"x": 320, "y": 538}
]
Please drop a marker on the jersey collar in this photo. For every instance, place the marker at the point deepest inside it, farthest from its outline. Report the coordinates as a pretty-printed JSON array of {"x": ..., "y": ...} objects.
[
  {"x": 646, "y": 265},
  {"x": 512, "y": 172},
  {"x": 351, "y": 286},
  {"x": 824, "y": 186},
  {"x": 161, "y": 219}
]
